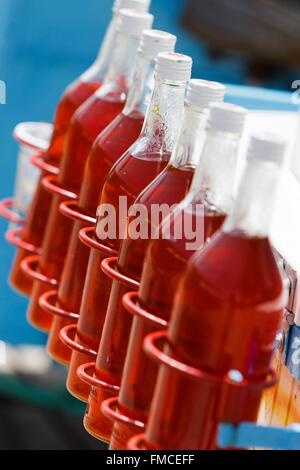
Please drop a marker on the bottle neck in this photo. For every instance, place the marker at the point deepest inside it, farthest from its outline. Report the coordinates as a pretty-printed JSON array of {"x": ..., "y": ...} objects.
[
  {"x": 191, "y": 138},
  {"x": 214, "y": 178},
  {"x": 163, "y": 117},
  {"x": 121, "y": 69},
  {"x": 99, "y": 68},
  {"x": 143, "y": 82},
  {"x": 253, "y": 207}
]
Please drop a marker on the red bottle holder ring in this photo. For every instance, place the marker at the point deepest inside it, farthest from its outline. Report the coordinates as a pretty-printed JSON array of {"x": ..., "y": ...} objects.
[
  {"x": 91, "y": 380},
  {"x": 131, "y": 304},
  {"x": 65, "y": 336},
  {"x": 47, "y": 302},
  {"x": 49, "y": 183},
  {"x": 29, "y": 266},
  {"x": 37, "y": 159},
  {"x": 14, "y": 237},
  {"x": 7, "y": 212},
  {"x": 158, "y": 356},
  {"x": 86, "y": 236},
  {"x": 71, "y": 210},
  {"x": 137, "y": 442},
  {"x": 109, "y": 267},
  {"x": 109, "y": 408}
]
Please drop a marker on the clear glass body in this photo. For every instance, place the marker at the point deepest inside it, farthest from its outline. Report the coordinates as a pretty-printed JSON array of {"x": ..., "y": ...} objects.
[
  {"x": 106, "y": 150},
  {"x": 109, "y": 146},
  {"x": 90, "y": 120},
  {"x": 73, "y": 97},
  {"x": 166, "y": 259},
  {"x": 225, "y": 317},
  {"x": 169, "y": 187},
  {"x": 131, "y": 174}
]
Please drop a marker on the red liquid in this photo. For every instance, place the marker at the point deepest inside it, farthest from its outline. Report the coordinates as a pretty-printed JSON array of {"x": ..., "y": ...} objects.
[
  {"x": 89, "y": 330},
  {"x": 163, "y": 267},
  {"x": 106, "y": 150},
  {"x": 169, "y": 187},
  {"x": 88, "y": 122},
  {"x": 128, "y": 178},
  {"x": 34, "y": 229},
  {"x": 226, "y": 316},
  {"x": 75, "y": 95}
]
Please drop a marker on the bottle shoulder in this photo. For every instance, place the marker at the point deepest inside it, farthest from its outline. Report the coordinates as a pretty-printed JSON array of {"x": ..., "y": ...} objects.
[{"x": 239, "y": 270}]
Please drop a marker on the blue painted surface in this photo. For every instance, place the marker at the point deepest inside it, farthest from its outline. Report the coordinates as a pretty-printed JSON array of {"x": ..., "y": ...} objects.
[
  {"x": 44, "y": 45},
  {"x": 247, "y": 435}
]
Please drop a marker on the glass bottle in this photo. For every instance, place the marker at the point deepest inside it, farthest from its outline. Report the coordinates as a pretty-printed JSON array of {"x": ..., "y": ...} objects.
[
  {"x": 129, "y": 176},
  {"x": 225, "y": 317},
  {"x": 86, "y": 123},
  {"x": 166, "y": 258},
  {"x": 110, "y": 145},
  {"x": 91, "y": 118}
]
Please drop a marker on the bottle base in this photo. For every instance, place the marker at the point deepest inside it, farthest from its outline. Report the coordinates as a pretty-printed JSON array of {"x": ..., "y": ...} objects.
[
  {"x": 77, "y": 391},
  {"x": 17, "y": 278},
  {"x": 75, "y": 385},
  {"x": 36, "y": 316},
  {"x": 38, "y": 326},
  {"x": 24, "y": 288},
  {"x": 55, "y": 348},
  {"x": 120, "y": 442},
  {"x": 94, "y": 433},
  {"x": 94, "y": 421},
  {"x": 59, "y": 358}
]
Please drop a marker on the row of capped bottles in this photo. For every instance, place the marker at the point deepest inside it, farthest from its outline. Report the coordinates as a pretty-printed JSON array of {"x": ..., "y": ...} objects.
[{"x": 165, "y": 337}]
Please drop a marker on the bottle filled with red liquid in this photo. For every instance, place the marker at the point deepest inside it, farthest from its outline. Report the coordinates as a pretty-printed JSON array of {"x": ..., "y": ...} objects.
[
  {"x": 108, "y": 147},
  {"x": 203, "y": 210},
  {"x": 90, "y": 120},
  {"x": 130, "y": 175},
  {"x": 111, "y": 144},
  {"x": 168, "y": 189},
  {"x": 129, "y": 166},
  {"x": 74, "y": 96},
  {"x": 224, "y": 321}
]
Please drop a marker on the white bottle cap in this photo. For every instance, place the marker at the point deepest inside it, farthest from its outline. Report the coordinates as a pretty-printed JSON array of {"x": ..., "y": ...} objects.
[
  {"x": 227, "y": 117},
  {"x": 133, "y": 22},
  {"x": 174, "y": 67},
  {"x": 201, "y": 93},
  {"x": 153, "y": 42},
  {"x": 138, "y": 5},
  {"x": 267, "y": 146}
]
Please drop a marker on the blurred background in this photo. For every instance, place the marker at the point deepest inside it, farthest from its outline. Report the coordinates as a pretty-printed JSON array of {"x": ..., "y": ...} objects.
[{"x": 44, "y": 45}]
